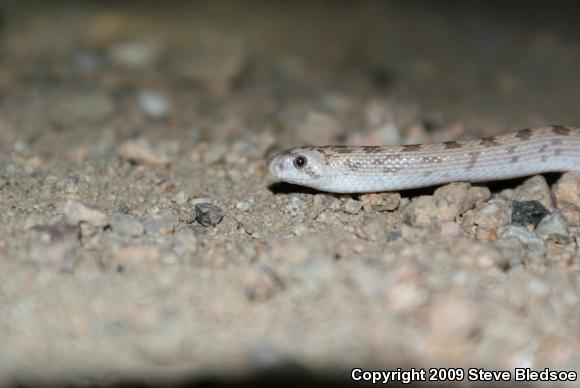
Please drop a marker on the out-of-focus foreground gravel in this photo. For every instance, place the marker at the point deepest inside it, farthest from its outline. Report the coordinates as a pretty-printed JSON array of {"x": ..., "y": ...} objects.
[{"x": 141, "y": 237}]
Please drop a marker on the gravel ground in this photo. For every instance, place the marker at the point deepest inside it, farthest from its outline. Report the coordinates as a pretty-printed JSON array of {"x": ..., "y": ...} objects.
[{"x": 143, "y": 240}]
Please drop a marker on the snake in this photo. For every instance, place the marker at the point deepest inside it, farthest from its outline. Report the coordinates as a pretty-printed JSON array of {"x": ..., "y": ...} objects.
[{"x": 366, "y": 169}]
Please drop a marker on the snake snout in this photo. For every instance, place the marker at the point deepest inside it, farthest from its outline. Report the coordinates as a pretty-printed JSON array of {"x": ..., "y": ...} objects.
[{"x": 275, "y": 165}]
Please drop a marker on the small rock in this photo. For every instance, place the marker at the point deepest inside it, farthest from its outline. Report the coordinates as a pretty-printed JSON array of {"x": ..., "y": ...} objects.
[
  {"x": 485, "y": 234},
  {"x": 382, "y": 201},
  {"x": 553, "y": 227},
  {"x": 491, "y": 215},
  {"x": 250, "y": 229},
  {"x": 181, "y": 198},
  {"x": 352, "y": 206},
  {"x": 446, "y": 204},
  {"x": 243, "y": 206},
  {"x": 208, "y": 214},
  {"x": 528, "y": 240},
  {"x": 161, "y": 223},
  {"x": 126, "y": 226},
  {"x": 76, "y": 212},
  {"x": 567, "y": 197},
  {"x": 139, "y": 152},
  {"x": 123, "y": 208},
  {"x": 534, "y": 189},
  {"x": 372, "y": 228},
  {"x": 154, "y": 105},
  {"x": 528, "y": 213}
]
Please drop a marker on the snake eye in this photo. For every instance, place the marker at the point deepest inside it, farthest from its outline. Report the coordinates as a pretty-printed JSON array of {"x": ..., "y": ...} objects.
[{"x": 300, "y": 161}]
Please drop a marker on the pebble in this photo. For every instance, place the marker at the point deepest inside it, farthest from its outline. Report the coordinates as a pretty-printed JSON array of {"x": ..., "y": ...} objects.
[
  {"x": 126, "y": 226},
  {"x": 492, "y": 214},
  {"x": 486, "y": 234},
  {"x": 243, "y": 206},
  {"x": 529, "y": 241},
  {"x": 534, "y": 189},
  {"x": 208, "y": 214},
  {"x": 372, "y": 228},
  {"x": 446, "y": 204},
  {"x": 528, "y": 213},
  {"x": 181, "y": 198},
  {"x": 140, "y": 152},
  {"x": 154, "y": 104},
  {"x": 553, "y": 227},
  {"x": 76, "y": 212},
  {"x": 352, "y": 206},
  {"x": 382, "y": 201},
  {"x": 567, "y": 197}
]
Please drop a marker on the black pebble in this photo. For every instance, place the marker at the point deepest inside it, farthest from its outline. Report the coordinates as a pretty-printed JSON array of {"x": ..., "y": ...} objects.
[
  {"x": 208, "y": 214},
  {"x": 528, "y": 213}
]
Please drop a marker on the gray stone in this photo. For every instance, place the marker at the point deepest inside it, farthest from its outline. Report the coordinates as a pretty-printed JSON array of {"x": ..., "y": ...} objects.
[
  {"x": 352, "y": 206},
  {"x": 528, "y": 213},
  {"x": 553, "y": 227},
  {"x": 208, "y": 214}
]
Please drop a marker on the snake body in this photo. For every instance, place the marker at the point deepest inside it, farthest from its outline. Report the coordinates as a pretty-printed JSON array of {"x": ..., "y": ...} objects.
[{"x": 360, "y": 169}]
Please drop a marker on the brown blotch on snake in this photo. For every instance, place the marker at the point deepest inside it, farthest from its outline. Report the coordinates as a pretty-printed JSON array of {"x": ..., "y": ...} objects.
[
  {"x": 524, "y": 134},
  {"x": 560, "y": 130},
  {"x": 489, "y": 141},
  {"x": 452, "y": 144},
  {"x": 411, "y": 147},
  {"x": 372, "y": 149}
]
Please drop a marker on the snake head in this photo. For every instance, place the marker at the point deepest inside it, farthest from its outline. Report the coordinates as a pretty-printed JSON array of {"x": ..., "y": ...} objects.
[{"x": 303, "y": 166}]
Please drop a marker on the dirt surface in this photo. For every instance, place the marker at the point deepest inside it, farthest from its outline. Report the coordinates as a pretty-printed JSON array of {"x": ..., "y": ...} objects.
[{"x": 143, "y": 240}]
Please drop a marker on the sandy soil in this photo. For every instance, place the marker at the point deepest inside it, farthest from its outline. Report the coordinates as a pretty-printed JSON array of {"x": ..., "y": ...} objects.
[{"x": 143, "y": 240}]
